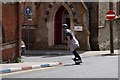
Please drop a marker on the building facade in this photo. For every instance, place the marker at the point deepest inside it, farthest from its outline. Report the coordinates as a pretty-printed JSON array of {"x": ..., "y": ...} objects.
[
  {"x": 45, "y": 30},
  {"x": 41, "y": 26},
  {"x": 42, "y": 29}
]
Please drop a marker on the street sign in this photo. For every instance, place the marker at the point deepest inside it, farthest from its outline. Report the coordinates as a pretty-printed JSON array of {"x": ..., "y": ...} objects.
[
  {"x": 110, "y": 15},
  {"x": 27, "y": 10}
]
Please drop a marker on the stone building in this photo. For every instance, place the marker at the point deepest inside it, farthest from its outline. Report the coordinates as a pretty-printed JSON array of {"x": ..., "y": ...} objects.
[
  {"x": 42, "y": 28},
  {"x": 45, "y": 30}
]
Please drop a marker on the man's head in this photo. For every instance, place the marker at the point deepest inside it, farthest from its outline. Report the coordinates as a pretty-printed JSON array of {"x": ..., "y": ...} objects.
[{"x": 64, "y": 26}]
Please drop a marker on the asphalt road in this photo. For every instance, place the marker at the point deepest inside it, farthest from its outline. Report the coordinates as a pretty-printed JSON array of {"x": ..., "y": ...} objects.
[{"x": 92, "y": 67}]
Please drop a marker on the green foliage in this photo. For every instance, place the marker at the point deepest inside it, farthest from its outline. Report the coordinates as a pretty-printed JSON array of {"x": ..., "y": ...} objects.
[{"x": 18, "y": 60}]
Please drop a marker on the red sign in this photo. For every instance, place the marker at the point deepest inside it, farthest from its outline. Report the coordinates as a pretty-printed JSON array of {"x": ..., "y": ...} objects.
[{"x": 110, "y": 15}]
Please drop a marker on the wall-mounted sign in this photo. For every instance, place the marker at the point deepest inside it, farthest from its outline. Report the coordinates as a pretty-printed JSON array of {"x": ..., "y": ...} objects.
[
  {"x": 28, "y": 11},
  {"x": 78, "y": 28}
]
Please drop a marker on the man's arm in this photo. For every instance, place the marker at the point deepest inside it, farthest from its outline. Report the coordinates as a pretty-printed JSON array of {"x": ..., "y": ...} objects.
[{"x": 68, "y": 41}]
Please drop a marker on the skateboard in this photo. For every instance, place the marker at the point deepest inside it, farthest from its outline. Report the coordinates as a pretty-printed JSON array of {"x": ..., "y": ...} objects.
[{"x": 77, "y": 61}]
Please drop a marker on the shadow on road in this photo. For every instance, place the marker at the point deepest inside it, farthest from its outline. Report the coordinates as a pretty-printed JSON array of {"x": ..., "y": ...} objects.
[
  {"x": 108, "y": 55},
  {"x": 71, "y": 65},
  {"x": 46, "y": 55}
]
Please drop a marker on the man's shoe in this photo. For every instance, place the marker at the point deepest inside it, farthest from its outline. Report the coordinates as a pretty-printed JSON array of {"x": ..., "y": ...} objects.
[{"x": 77, "y": 60}]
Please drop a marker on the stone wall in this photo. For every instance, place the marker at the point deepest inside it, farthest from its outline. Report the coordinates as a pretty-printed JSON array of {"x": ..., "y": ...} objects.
[
  {"x": 104, "y": 28},
  {"x": 41, "y": 33},
  {"x": 82, "y": 36}
]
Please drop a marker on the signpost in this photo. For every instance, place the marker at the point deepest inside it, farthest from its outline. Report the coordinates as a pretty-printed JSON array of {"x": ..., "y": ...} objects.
[
  {"x": 110, "y": 15},
  {"x": 28, "y": 12}
]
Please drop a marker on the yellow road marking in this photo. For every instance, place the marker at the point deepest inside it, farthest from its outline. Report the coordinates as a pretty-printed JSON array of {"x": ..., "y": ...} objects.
[{"x": 5, "y": 74}]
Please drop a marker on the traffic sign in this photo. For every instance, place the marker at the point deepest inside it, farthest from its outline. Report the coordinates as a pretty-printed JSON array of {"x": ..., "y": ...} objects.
[
  {"x": 27, "y": 10},
  {"x": 110, "y": 15}
]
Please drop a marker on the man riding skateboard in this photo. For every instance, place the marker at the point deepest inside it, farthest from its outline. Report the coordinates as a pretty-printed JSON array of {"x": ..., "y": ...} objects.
[{"x": 73, "y": 44}]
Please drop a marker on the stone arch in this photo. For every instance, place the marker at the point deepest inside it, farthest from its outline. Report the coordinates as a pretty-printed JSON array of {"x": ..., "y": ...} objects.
[{"x": 50, "y": 22}]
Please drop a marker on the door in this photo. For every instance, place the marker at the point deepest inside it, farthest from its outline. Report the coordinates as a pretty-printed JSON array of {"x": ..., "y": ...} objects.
[
  {"x": 65, "y": 20},
  {"x": 58, "y": 26}
]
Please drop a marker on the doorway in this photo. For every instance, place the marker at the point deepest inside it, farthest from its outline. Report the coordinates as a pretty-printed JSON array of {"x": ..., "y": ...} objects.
[{"x": 61, "y": 17}]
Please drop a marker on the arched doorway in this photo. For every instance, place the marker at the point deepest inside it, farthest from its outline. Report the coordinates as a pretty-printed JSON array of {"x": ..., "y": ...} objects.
[
  {"x": 51, "y": 19},
  {"x": 61, "y": 16}
]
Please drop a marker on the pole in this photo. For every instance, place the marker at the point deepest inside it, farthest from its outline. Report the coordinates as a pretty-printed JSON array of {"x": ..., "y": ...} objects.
[
  {"x": 111, "y": 38},
  {"x": 28, "y": 36},
  {"x": 111, "y": 31},
  {"x": 28, "y": 12}
]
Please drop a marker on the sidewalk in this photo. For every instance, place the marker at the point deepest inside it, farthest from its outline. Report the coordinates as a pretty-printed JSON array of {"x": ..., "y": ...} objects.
[
  {"x": 12, "y": 67},
  {"x": 99, "y": 53},
  {"x": 66, "y": 52}
]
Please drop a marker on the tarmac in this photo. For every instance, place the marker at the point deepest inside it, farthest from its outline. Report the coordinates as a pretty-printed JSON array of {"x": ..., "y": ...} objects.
[{"x": 13, "y": 67}]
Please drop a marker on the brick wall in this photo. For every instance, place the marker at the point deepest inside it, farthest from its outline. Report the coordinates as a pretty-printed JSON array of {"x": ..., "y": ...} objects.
[
  {"x": 10, "y": 24},
  {"x": 0, "y": 11},
  {"x": 9, "y": 51},
  {"x": 0, "y": 22},
  {"x": 10, "y": 21},
  {"x": 0, "y": 30}
]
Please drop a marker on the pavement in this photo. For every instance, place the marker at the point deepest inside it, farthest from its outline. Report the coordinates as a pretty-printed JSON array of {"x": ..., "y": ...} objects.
[
  {"x": 13, "y": 67},
  {"x": 66, "y": 52}
]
